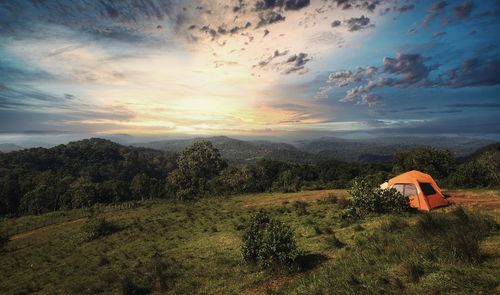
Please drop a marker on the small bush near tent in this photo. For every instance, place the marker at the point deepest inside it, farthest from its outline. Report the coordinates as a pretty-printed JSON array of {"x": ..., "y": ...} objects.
[{"x": 368, "y": 199}]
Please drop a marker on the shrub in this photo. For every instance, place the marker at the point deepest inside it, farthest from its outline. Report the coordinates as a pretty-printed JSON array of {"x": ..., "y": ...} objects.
[
  {"x": 98, "y": 227},
  {"x": 367, "y": 199},
  {"x": 269, "y": 243}
]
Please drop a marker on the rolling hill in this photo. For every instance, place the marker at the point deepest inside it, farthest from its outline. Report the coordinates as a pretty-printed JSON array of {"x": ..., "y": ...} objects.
[{"x": 363, "y": 150}]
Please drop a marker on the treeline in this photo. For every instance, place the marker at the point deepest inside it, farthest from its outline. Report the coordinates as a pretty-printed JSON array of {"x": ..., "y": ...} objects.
[{"x": 92, "y": 171}]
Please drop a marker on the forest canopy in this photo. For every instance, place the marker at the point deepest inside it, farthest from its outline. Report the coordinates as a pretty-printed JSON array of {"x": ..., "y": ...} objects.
[{"x": 91, "y": 171}]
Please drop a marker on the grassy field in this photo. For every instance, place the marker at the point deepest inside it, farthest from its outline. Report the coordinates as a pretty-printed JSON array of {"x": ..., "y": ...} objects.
[{"x": 194, "y": 248}]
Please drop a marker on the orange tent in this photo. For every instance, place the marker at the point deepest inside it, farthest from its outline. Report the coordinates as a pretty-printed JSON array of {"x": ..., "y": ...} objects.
[{"x": 420, "y": 188}]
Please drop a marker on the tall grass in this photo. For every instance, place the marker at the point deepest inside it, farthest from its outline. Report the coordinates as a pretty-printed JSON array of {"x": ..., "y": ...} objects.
[{"x": 397, "y": 256}]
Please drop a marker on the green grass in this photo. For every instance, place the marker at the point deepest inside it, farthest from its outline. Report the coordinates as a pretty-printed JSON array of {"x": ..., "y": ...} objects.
[{"x": 194, "y": 248}]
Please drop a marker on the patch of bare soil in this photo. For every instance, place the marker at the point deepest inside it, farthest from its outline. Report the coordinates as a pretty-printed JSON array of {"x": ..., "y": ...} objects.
[
  {"x": 483, "y": 199},
  {"x": 42, "y": 229}
]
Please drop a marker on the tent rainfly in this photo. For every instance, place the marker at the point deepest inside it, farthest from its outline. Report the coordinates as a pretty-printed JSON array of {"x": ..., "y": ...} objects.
[{"x": 422, "y": 191}]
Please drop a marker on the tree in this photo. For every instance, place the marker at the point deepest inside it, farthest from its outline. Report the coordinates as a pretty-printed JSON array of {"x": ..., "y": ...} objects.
[
  {"x": 287, "y": 182},
  {"x": 141, "y": 186},
  {"x": 198, "y": 164},
  {"x": 438, "y": 163},
  {"x": 233, "y": 180},
  {"x": 83, "y": 193}
]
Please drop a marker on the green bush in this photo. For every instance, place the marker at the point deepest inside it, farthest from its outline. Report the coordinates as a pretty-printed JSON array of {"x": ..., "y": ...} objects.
[
  {"x": 368, "y": 199},
  {"x": 269, "y": 243},
  {"x": 98, "y": 227}
]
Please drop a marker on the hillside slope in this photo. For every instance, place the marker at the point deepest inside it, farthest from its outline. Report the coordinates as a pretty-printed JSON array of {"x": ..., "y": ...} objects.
[{"x": 168, "y": 247}]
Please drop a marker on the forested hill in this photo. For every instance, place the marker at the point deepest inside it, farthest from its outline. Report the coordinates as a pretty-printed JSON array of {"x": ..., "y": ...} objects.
[
  {"x": 236, "y": 150},
  {"x": 77, "y": 174},
  {"x": 306, "y": 151},
  {"x": 83, "y": 173}
]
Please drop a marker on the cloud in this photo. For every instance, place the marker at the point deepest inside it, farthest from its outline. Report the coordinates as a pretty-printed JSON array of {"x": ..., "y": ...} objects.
[
  {"x": 269, "y": 17},
  {"x": 438, "y": 34},
  {"x": 282, "y": 4},
  {"x": 434, "y": 11},
  {"x": 464, "y": 10},
  {"x": 297, "y": 62},
  {"x": 474, "y": 105},
  {"x": 336, "y": 23},
  {"x": 410, "y": 71},
  {"x": 473, "y": 72},
  {"x": 358, "y": 23},
  {"x": 404, "y": 8},
  {"x": 359, "y": 4},
  {"x": 403, "y": 70}
]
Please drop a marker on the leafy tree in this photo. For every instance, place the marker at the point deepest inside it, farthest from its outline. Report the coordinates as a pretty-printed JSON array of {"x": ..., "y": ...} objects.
[
  {"x": 480, "y": 171},
  {"x": 438, "y": 163},
  {"x": 198, "y": 164},
  {"x": 141, "y": 186},
  {"x": 84, "y": 193},
  {"x": 287, "y": 182},
  {"x": 233, "y": 180}
]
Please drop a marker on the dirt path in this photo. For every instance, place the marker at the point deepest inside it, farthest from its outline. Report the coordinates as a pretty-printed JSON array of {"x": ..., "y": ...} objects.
[
  {"x": 42, "y": 229},
  {"x": 488, "y": 199},
  {"x": 488, "y": 202}
]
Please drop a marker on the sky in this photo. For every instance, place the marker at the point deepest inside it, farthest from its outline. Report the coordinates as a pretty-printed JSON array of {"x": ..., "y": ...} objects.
[{"x": 249, "y": 68}]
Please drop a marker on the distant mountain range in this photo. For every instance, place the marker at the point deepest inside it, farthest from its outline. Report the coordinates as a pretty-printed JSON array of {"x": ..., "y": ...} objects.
[
  {"x": 9, "y": 147},
  {"x": 373, "y": 149},
  {"x": 238, "y": 150},
  {"x": 302, "y": 151}
]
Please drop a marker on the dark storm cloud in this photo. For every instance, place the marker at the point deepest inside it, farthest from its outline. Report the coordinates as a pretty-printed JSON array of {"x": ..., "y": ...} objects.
[{"x": 357, "y": 23}]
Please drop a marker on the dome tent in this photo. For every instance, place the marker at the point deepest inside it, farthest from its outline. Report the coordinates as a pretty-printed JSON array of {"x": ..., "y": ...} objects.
[{"x": 422, "y": 191}]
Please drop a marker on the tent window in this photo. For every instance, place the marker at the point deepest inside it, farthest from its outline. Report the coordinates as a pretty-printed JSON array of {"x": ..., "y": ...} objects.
[
  {"x": 407, "y": 190},
  {"x": 410, "y": 190},
  {"x": 399, "y": 187},
  {"x": 427, "y": 188}
]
